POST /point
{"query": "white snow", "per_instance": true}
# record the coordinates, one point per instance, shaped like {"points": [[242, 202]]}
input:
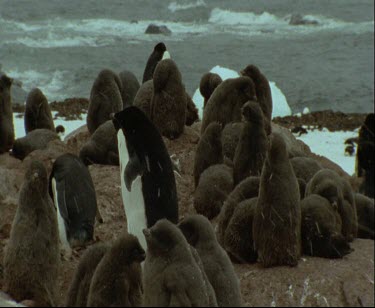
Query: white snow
{"points": [[331, 145], [19, 124], [280, 104]]}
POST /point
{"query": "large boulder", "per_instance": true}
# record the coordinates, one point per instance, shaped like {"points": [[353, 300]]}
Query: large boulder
{"points": [[158, 29]]}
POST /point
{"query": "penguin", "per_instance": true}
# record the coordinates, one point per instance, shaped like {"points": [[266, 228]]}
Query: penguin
{"points": [[238, 238], [38, 139], [215, 184], [365, 155], [129, 89], [31, 260], [209, 150], [159, 53], [37, 112], [192, 115], [73, 193], [117, 281], [277, 219], [208, 84], [212, 301], [263, 93], [321, 230], [148, 185], [230, 137], [199, 233], [143, 100], [105, 99], [305, 167], [247, 189], [365, 211], [102, 147], [337, 190], [224, 105], [79, 288], [6, 114], [171, 276], [252, 146], [168, 105]]}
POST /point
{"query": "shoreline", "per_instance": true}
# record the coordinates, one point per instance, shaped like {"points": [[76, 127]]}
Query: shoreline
{"points": [[73, 108]]}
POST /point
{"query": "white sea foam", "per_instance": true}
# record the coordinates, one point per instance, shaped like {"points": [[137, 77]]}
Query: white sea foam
{"points": [[280, 104], [239, 22], [54, 41], [174, 6], [226, 17], [51, 84]]}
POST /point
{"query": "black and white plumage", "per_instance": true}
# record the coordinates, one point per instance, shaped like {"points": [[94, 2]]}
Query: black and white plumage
{"points": [[73, 192], [148, 184]]}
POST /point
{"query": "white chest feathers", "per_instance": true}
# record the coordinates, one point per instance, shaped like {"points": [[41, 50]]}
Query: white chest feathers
{"points": [[133, 200]]}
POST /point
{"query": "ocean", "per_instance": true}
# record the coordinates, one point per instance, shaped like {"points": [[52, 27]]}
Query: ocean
{"points": [[61, 45]]}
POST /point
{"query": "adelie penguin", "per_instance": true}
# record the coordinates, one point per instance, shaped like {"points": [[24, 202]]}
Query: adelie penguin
{"points": [[159, 53], [73, 192], [148, 184]]}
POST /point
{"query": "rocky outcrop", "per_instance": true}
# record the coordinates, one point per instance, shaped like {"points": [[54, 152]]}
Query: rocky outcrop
{"points": [[158, 29]]}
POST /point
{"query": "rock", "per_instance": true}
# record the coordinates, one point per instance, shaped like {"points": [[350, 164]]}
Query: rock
{"points": [[333, 121], [77, 138], [299, 20], [155, 29], [347, 282]]}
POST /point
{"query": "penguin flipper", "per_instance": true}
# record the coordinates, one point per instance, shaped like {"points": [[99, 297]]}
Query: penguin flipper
{"points": [[133, 169]]}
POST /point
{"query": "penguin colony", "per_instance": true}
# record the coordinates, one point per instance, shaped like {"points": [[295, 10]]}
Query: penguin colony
{"points": [[270, 207]]}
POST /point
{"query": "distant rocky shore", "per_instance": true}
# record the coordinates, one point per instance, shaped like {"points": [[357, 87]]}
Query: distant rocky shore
{"points": [[72, 109]]}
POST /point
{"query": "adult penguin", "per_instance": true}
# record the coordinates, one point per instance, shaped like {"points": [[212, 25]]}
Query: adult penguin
{"points": [[73, 192], [148, 184], [160, 52]]}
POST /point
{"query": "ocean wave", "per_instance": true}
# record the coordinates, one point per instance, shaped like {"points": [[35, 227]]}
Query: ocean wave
{"points": [[55, 41], [225, 17], [268, 21], [174, 6], [51, 83]]}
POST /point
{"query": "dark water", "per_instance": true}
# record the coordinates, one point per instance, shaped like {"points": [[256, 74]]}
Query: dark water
{"points": [[60, 46]]}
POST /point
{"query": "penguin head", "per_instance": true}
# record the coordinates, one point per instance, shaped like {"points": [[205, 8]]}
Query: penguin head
{"points": [[329, 190], [163, 237], [36, 175], [252, 112], [277, 148], [247, 88], [160, 48], [251, 71], [197, 229], [5, 82], [128, 250]]}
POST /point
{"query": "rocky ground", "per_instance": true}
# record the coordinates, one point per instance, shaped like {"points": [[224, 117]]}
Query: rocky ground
{"points": [[314, 282]]}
